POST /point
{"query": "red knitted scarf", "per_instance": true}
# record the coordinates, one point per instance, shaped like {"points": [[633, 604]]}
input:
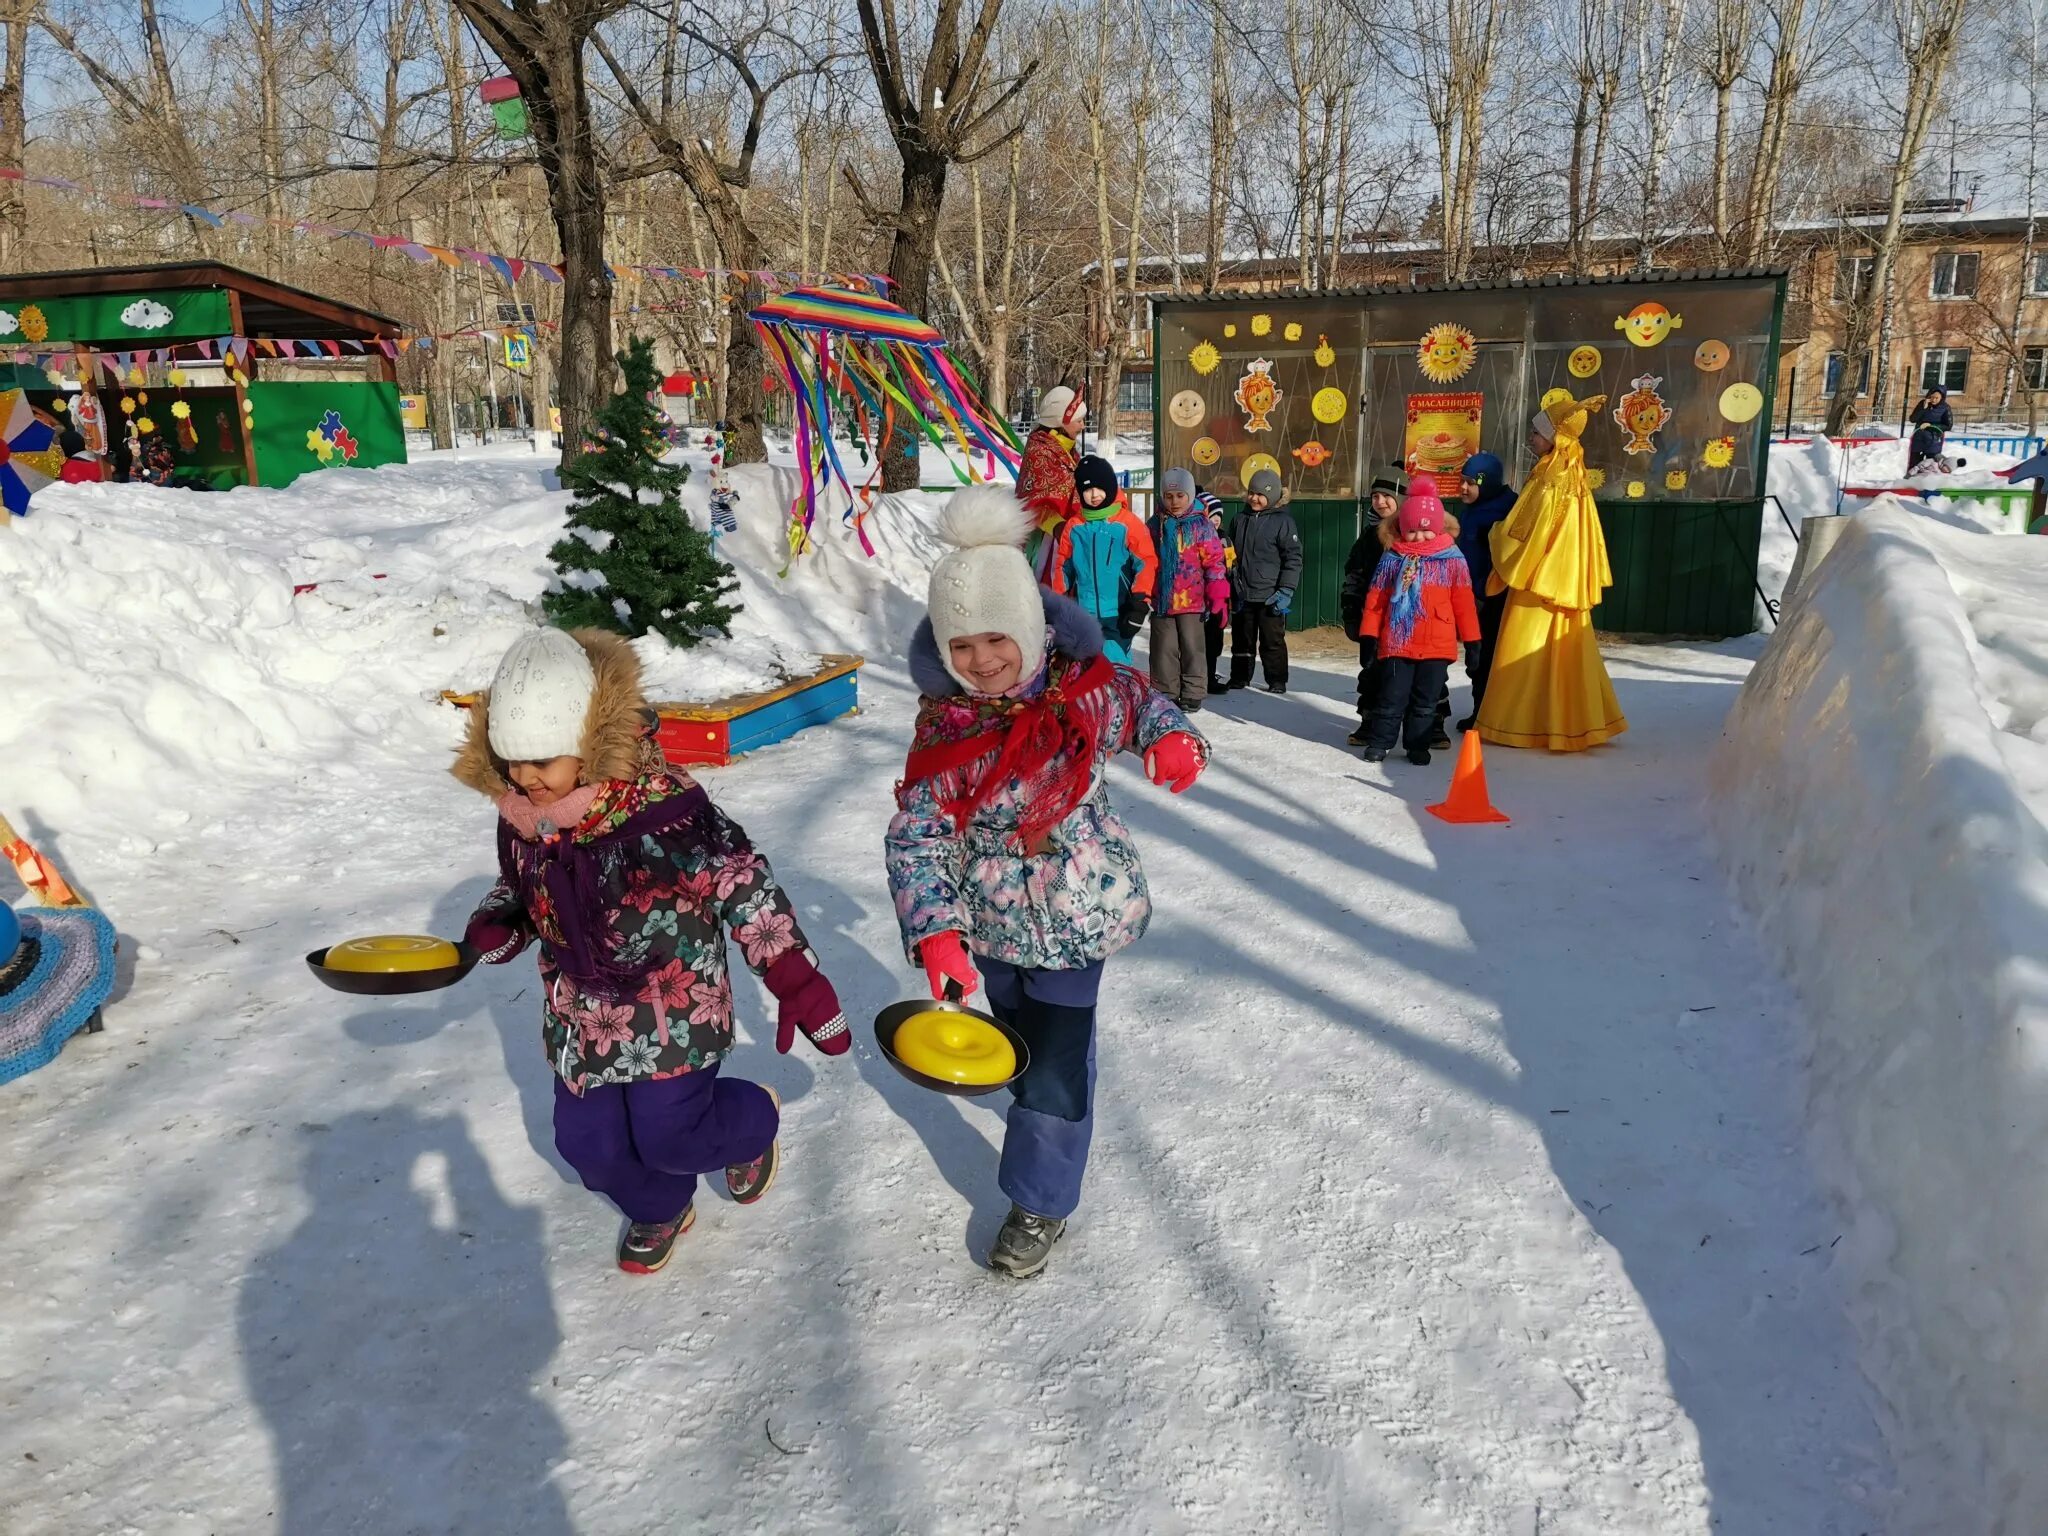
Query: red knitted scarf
{"points": [[972, 747]]}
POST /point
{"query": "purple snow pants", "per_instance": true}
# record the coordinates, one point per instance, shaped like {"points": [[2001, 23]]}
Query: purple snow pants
{"points": [[643, 1144], [1045, 1148]]}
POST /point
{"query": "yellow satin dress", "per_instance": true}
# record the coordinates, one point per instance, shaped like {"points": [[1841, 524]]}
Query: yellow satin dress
{"points": [[1548, 687]]}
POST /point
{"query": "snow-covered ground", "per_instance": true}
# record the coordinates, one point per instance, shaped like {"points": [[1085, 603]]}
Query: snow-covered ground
{"points": [[1882, 796], [1448, 1179]]}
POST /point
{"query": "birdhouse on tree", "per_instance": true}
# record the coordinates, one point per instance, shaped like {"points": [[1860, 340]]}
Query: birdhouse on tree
{"points": [[508, 107]]}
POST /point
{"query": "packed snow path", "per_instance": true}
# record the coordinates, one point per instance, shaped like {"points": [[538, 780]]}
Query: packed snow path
{"points": [[1448, 1180]]}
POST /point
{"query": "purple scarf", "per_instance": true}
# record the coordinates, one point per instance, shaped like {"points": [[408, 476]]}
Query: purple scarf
{"points": [[572, 870]]}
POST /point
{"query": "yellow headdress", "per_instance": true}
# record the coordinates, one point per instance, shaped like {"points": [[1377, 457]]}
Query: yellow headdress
{"points": [[1568, 418]]}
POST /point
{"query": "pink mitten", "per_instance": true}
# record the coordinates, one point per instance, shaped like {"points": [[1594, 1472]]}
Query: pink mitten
{"points": [[946, 959], [808, 1004], [1176, 761]]}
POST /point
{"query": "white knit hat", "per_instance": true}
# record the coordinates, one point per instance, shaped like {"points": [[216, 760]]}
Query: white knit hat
{"points": [[539, 698], [985, 587], [1056, 404]]}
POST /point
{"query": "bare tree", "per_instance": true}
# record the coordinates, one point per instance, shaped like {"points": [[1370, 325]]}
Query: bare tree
{"points": [[1658, 43], [1222, 145], [1724, 60], [14, 32], [719, 182], [1451, 67], [540, 43], [1596, 64], [941, 112], [1926, 33], [988, 310]]}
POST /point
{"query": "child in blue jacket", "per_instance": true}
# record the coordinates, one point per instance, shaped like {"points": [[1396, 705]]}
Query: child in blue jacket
{"points": [[1104, 559], [1485, 501]]}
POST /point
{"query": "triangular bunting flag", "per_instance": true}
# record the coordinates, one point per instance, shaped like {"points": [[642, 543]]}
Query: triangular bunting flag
{"points": [[333, 348]]}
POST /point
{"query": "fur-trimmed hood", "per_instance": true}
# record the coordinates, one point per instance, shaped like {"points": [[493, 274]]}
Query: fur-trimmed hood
{"points": [[615, 742], [1072, 630]]}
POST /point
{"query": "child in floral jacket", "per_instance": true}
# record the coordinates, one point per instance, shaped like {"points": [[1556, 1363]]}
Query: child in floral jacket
{"points": [[1007, 864], [1194, 587], [629, 875]]}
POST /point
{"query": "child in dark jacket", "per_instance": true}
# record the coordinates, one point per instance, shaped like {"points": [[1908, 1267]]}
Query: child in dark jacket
{"points": [[1009, 868], [1381, 507], [1485, 501], [629, 876], [1194, 586], [1268, 570], [1420, 609]]}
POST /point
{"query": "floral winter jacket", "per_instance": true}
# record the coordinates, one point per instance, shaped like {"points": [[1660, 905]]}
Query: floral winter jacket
{"points": [[1193, 570], [664, 902], [1078, 898]]}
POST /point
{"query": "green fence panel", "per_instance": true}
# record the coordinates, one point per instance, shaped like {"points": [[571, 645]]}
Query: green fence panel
{"points": [[1328, 530], [1681, 568], [326, 425]]}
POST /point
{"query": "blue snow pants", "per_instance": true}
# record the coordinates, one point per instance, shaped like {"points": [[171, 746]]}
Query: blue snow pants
{"points": [[1045, 1149]]}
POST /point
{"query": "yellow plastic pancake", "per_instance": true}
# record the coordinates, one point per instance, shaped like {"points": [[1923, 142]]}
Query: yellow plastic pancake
{"points": [[388, 952], [1256, 462], [954, 1048], [1328, 405]]}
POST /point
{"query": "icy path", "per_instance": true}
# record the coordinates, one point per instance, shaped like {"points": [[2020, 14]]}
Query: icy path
{"points": [[1448, 1181]]}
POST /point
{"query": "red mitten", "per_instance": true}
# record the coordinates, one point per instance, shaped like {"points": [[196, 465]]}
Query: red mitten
{"points": [[946, 959], [1176, 761], [496, 936], [808, 1004]]}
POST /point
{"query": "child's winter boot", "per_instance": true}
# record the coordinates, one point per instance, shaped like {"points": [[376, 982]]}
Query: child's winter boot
{"points": [[1025, 1243], [748, 1182], [647, 1244]]}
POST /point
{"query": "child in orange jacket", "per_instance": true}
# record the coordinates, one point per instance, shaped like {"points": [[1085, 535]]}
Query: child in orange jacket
{"points": [[1420, 609]]}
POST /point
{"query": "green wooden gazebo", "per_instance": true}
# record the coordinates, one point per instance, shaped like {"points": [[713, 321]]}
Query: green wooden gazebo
{"points": [[1329, 386], [315, 381]]}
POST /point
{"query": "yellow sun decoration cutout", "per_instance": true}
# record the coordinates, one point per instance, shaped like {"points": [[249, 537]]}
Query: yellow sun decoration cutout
{"points": [[1446, 352]]}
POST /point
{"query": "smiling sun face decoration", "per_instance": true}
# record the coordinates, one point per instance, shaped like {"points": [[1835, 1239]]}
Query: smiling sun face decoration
{"points": [[1648, 324], [1446, 352]]}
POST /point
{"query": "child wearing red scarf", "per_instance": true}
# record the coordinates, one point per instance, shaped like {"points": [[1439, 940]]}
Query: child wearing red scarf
{"points": [[1007, 864]]}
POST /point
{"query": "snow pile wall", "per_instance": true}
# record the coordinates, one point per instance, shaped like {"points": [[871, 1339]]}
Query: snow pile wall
{"points": [[1871, 798]]}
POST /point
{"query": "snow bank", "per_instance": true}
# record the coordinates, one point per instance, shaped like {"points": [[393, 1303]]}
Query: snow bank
{"points": [[1880, 794], [154, 653]]}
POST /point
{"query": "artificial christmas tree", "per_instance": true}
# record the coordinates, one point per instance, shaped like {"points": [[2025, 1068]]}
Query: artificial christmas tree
{"points": [[632, 560]]}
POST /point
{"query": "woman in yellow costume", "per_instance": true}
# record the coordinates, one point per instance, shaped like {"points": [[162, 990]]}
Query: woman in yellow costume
{"points": [[1548, 687]]}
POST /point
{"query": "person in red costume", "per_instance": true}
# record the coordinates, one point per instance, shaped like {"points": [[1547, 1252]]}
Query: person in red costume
{"points": [[1010, 871], [1045, 479]]}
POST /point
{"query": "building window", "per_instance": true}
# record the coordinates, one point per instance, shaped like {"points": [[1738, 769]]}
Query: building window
{"points": [[2036, 370], [1945, 368], [1852, 276], [2037, 280], [1955, 275], [1134, 392], [1836, 363]]}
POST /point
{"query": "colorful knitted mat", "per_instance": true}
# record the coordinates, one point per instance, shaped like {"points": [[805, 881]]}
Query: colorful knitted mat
{"points": [[70, 976]]}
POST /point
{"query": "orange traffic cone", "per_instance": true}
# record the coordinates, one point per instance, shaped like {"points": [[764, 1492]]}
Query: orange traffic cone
{"points": [[1467, 803]]}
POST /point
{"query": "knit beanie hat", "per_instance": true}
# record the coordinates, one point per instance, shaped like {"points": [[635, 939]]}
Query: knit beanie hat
{"points": [[1392, 481], [1267, 484], [539, 698], [985, 586], [1059, 407], [1421, 510], [1095, 472], [1177, 480]]}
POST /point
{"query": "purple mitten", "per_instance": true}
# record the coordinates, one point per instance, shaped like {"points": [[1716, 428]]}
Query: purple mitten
{"points": [[808, 1004], [495, 937]]}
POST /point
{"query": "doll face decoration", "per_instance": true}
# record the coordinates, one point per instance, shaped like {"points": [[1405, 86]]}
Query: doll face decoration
{"points": [[1648, 324], [1710, 356], [1642, 414], [1584, 362], [1312, 454], [1257, 395]]}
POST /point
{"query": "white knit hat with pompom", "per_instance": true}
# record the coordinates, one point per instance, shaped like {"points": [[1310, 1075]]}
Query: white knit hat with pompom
{"points": [[539, 698], [985, 587]]}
